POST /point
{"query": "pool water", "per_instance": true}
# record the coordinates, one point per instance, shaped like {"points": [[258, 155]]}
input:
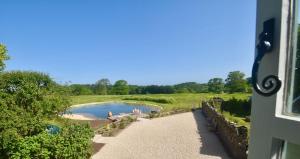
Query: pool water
{"points": [[101, 110]]}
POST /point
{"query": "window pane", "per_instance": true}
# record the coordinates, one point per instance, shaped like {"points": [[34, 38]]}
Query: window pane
{"points": [[291, 151], [294, 81]]}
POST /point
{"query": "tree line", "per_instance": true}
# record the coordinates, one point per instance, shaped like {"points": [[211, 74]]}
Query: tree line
{"points": [[236, 81]]}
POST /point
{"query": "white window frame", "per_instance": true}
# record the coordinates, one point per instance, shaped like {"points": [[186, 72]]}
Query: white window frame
{"points": [[270, 127]]}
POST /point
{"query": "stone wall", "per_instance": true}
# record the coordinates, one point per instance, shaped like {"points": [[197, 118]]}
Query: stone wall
{"points": [[233, 137]]}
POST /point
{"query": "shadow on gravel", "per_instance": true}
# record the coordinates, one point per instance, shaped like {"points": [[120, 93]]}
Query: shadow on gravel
{"points": [[97, 147], [211, 145]]}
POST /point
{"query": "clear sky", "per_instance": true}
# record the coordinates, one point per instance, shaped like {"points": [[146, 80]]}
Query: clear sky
{"points": [[141, 41]]}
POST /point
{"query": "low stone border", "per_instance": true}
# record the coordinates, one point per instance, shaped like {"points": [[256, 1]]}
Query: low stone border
{"points": [[112, 129], [233, 137], [154, 114]]}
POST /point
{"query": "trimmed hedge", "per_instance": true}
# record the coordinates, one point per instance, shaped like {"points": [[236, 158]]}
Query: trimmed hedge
{"points": [[237, 107]]}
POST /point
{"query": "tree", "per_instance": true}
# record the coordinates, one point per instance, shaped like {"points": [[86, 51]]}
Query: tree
{"points": [[249, 85], [102, 86], [236, 82], [120, 87], [216, 85], [3, 56], [78, 89], [191, 87], [154, 89], [182, 90], [134, 89]]}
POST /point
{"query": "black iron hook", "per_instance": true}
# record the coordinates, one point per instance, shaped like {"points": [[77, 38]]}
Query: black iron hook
{"points": [[270, 84]]}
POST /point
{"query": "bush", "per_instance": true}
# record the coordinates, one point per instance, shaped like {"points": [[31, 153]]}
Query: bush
{"points": [[131, 119], [122, 125], [33, 91], [27, 100], [113, 125], [150, 99], [240, 108], [78, 89], [72, 142]]}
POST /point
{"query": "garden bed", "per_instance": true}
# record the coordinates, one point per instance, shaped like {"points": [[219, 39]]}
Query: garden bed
{"points": [[114, 128]]}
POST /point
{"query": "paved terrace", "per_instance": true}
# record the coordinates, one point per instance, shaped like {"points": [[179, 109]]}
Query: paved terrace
{"points": [[181, 136]]}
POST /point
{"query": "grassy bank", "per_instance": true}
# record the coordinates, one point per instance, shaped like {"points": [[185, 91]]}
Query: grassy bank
{"points": [[166, 101]]}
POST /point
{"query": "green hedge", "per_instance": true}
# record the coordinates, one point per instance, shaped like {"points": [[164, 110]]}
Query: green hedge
{"points": [[237, 107], [150, 99]]}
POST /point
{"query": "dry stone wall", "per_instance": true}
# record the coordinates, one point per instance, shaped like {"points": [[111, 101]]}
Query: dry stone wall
{"points": [[233, 137]]}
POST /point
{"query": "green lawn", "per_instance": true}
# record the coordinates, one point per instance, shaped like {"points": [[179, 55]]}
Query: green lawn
{"points": [[177, 101], [167, 101]]}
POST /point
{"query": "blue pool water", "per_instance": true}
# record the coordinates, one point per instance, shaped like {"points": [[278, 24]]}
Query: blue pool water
{"points": [[101, 110]]}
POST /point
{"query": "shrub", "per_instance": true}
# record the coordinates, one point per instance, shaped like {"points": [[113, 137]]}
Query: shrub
{"points": [[150, 99], [72, 142], [113, 125], [131, 119], [154, 114], [27, 100], [33, 91], [237, 107], [122, 125]]}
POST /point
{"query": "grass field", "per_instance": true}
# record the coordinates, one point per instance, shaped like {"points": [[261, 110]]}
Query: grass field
{"points": [[166, 101]]}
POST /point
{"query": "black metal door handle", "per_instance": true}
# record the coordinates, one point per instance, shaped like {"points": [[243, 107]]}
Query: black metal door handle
{"points": [[270, 84]]}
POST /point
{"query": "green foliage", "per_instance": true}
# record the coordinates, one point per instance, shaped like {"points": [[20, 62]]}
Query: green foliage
{"points": [[113, 128], [72, 142], [236, 82], [131, 119], [135, 89], [236, 119], [181, 101], [237, 110], [150, 99], [216, 85], [122, 124], [120, 88], [102, 87], [191, 87], [154, 89], [113, 125], [78, 89], [32, 91], [237, 107], [27, 100], [183, 90], [3, 56]]}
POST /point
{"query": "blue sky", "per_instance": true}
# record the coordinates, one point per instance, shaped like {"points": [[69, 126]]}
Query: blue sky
{"points": [[141, 41]]}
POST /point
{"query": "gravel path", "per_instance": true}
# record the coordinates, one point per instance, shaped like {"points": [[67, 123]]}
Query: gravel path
{"points": [[174, 137]]}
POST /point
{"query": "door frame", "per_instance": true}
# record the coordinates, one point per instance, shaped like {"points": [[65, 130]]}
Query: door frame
{"points": [[270, 126]]}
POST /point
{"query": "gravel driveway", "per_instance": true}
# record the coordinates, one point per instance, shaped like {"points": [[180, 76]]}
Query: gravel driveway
{"points": [[174, 137]]}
